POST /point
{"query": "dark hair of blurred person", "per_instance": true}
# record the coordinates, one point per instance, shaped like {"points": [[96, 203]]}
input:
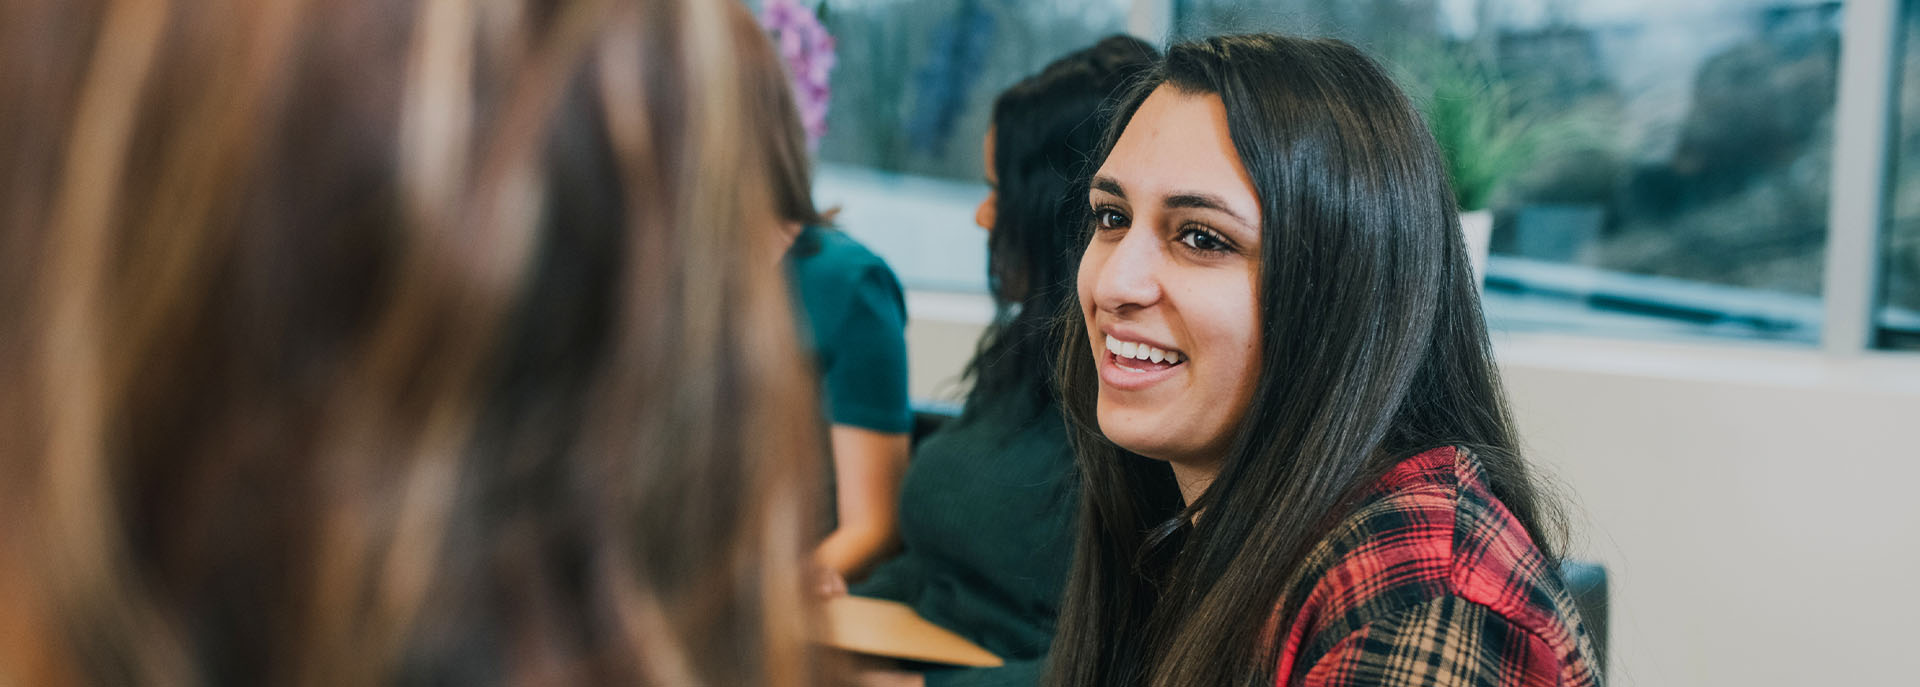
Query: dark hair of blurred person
{"points": [[996, 573], [385, 342], [1044, 129], [853, 317]]}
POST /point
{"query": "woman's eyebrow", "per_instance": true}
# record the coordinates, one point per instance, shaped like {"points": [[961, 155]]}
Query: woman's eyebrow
{"points": [[1192, 200], [1202, 201]]}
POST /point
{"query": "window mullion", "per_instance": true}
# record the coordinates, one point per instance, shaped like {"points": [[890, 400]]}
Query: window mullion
{"points": [[1863, 123]]}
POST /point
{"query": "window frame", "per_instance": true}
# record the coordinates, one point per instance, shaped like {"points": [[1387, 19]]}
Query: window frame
{"points": [[1859, 202]]}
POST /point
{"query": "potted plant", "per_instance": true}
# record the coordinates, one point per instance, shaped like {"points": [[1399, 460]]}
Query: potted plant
{"points": [[1487, 133]]}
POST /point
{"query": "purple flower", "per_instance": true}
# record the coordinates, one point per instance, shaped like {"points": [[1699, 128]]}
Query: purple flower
{"points": [[807, 49]]}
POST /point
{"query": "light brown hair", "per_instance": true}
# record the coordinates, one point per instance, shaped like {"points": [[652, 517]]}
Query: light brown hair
{"points": [[774, 117], [391, 341]]}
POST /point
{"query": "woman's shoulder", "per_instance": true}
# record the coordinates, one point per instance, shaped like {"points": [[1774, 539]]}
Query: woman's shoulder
{"points": [[832, 253], [1431, 532], [1434, 521], [1001, 438], [835, 275], [1394, 550]]}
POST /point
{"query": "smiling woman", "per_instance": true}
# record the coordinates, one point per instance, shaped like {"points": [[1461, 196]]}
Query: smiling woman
{"points": [[1289, 418]]}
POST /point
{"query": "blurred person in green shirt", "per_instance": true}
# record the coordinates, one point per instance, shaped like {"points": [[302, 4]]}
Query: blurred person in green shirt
{"points": [[987, 508], [853, 319]]}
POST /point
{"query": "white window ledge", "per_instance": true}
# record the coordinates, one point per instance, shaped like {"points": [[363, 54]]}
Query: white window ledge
{"points": [[1719, 360], [1724, 361]]}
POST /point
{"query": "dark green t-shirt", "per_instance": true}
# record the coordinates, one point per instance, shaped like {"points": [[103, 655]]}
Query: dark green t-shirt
{"points": [[986, 514], [854, 316]]}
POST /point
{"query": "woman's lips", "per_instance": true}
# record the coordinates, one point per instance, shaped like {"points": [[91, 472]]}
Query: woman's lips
{"points": [[1123, 370]]}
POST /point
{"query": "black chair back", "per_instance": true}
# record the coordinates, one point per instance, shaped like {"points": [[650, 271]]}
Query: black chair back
{"points": [[1587, 582], [929, 416]]}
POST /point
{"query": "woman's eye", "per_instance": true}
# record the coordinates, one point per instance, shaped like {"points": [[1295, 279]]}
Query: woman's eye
{"points": [[1108, 218], [1204, 241]]}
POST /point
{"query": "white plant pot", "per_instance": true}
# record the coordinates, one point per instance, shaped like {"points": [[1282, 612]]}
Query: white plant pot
{"points": [[1477, 228]]}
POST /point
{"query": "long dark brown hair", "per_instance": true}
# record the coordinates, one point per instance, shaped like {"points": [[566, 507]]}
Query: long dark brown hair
{"points": [[1045, 130], [1373, 350], [391, 342]]}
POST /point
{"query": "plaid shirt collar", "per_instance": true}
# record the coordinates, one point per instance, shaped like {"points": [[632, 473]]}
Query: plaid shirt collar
{"points": [[1433, 581]]}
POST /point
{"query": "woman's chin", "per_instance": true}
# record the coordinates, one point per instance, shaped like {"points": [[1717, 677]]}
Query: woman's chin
{"points": [[1136, 432]]}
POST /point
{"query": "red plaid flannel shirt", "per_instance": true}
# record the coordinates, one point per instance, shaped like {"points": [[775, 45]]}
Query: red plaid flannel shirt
{"points": [[1433, 582]]}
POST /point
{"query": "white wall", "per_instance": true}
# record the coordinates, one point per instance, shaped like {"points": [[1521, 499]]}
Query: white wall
{"points": [[1756, 507]]}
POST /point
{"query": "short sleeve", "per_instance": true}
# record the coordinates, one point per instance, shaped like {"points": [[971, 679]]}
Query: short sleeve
{"points": [[866, 377], [1446, 641]]}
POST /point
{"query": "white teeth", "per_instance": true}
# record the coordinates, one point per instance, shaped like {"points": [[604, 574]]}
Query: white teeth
{"points": [[1140, 351]]}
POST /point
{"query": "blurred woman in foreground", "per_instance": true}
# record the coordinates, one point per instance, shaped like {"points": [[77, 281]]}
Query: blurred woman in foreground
{"points": [[392, 342]]}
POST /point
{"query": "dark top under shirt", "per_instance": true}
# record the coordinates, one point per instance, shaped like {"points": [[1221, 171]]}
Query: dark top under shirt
{"points": [[986, 515]]}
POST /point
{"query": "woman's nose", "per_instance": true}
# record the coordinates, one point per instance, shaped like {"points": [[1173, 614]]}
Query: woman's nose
{"points": [[1129, 272]]}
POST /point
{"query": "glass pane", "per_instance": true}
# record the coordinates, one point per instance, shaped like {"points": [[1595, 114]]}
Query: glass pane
{"points": [[912, 96], [1898, 318], [1654, 167]]}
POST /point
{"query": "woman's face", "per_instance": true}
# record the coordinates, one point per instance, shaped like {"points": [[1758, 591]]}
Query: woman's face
{"points": [[1168, 282], [984, 215]]}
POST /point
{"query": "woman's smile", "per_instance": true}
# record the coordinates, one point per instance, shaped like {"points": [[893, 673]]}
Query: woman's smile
{"points": [[1136, 365]]}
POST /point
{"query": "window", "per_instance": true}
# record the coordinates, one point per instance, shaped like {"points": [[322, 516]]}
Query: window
{"points": [[1675, 164], [1662, 165], [1898, 319], [912, 98]]}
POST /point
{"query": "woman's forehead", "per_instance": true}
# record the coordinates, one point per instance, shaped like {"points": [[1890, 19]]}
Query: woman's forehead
{"points": [[1178, 143]]}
